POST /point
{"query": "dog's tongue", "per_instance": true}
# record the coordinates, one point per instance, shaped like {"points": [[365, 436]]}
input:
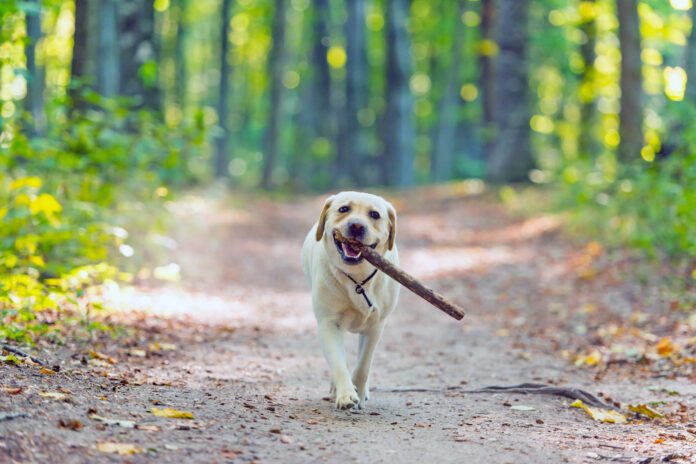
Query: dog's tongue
{"points": [[349, 252]]}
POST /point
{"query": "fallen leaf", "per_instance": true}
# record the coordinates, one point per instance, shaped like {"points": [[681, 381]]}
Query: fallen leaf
{"points": [[522, 407], [11, 359], [591, 359], [602, 415], [148, 428], [117, 422], [124, 449], [72, 424], [665, 347], [97, 355], [47, 371], [157, 346], [53, 395], [138, 353], [12, 390], [645, 410], [171, 413]]}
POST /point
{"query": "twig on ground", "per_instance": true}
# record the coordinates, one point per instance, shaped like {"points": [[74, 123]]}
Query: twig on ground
{"points": [[11, 415], [21, 353]]}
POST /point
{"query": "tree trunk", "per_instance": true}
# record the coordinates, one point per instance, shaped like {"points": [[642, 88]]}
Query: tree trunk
{"points": [[691, 60], [356, 87], [485, 63], [108, 75], [138, 52], [275, 111], [399, 155], [79, 69], [586, 142], [221, 155], [511, 157], [631, 114], [180, 54], [36, 87], [442, 163]]}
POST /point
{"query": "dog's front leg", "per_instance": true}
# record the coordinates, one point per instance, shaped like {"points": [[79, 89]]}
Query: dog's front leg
{"points": [[366, 351], [331, 338]]}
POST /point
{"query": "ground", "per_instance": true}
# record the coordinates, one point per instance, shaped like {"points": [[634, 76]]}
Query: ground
{"points": [[234, 343]]}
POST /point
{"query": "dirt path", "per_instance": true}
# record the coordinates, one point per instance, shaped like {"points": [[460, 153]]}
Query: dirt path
{"points": [[247, 364]]}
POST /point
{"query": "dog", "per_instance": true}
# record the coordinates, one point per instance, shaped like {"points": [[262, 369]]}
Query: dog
{"points": [[348, 293]]}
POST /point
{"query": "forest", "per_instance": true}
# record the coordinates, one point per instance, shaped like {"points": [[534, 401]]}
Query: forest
{"points": [[123, 121]]}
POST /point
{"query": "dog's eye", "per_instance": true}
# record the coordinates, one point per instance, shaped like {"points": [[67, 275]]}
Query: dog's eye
{"points": [[374, 215], [343, 209]]}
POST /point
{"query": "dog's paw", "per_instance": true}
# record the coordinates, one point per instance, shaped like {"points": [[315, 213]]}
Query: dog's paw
{"points": [[347, 398]]}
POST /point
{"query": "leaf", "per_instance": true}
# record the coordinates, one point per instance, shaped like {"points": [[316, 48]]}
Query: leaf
{"points": [[665, 347], [601, 415], [522, 407], [47, 371], [101, 356], [138, 353], [12, 390], [157, 346], [72, 424], [117, 422], [124, 449], [591, 359], [53, 395], [171, 413], [11, 359], [645, 410]]}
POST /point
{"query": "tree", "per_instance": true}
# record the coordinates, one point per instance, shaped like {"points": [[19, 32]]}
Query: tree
{"points": [[399, 156], [79, 67], [586, 142], [631, 113], [36, 85], [356, 86], [276, 63], [221, 155], [691, 60], [511, 156], [446, 134], [108, 72], [180, 53], [138, 52], [485, 64]]}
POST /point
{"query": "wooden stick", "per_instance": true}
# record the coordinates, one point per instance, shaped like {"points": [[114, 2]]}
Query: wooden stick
{"points": [[407, 280], [21, 353]]}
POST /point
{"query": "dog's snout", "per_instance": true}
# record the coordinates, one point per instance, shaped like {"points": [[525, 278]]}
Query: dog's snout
{"points": [[356, 229]]}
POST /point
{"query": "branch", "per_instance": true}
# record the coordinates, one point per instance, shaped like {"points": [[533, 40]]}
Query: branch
{"points": [[21, 353], [404, 278]]}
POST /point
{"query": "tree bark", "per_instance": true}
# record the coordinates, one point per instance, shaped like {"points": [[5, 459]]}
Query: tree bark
{"points": [[511, 157], [586, 142], [485, 63], [138, 52], [631, 113], [36, 84], [180, 55], [442, 163], [79, 68], [221, 154], [276, 63], [691, 60], [108, 72], [399, 154], [356, 87]]}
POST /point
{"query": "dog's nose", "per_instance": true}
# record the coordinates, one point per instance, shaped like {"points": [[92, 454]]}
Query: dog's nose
{"points": [[356, 229]]}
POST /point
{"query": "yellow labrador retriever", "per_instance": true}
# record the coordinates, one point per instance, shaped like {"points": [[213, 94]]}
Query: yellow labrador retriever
{"points": [[348, 293]]}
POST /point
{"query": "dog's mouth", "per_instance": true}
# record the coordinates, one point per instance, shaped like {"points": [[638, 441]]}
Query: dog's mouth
{"points": [[348, 254]]}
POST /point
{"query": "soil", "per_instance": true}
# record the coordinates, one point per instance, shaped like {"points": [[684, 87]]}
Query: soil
{"points": [[234, 343]]}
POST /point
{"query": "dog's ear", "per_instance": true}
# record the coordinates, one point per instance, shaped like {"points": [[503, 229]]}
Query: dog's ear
{"points": [[392, 225], [322, 218]]}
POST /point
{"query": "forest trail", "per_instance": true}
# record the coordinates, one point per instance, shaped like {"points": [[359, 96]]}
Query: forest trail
{"points": [[245, 361]]}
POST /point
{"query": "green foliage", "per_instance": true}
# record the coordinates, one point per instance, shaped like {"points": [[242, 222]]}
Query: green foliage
{"points": [[67, 208]]}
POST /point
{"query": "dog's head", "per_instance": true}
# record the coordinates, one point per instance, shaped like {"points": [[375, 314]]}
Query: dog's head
{"points": [[367, 218]]}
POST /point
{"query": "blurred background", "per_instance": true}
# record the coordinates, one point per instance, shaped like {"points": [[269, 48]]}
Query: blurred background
{"points": [[108, 107]]}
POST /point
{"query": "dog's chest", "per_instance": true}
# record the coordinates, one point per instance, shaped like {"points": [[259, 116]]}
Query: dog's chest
{"points": [[353, 319]]}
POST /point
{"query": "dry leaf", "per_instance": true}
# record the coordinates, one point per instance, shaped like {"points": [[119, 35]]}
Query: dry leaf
{"points": [[72, 424], [171, 413], [665, 347], [645, 410], [120, 423], [53, 395], [602, 415], [12, 390], [47, 371], [138, 353], [157, 346], [591, 359], [148, 428], [124, 449], [97, 355]]}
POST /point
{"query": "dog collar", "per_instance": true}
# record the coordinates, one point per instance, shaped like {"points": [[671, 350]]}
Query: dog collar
{"points": [[359, 286]]}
